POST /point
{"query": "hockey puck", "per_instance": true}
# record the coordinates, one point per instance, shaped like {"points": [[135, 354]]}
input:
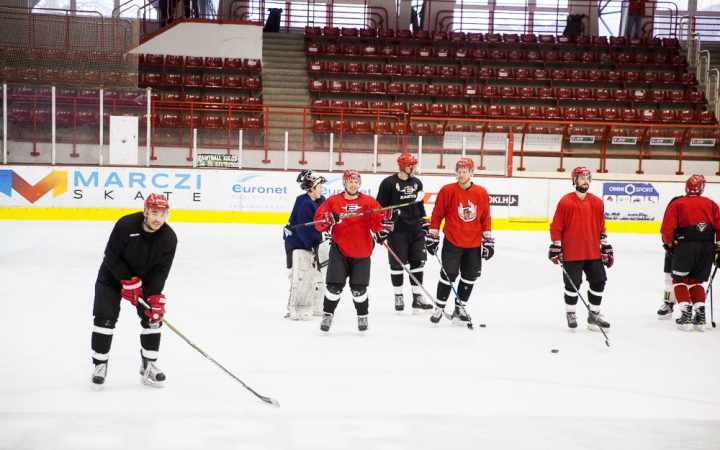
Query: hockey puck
{"points": [[554, 350], [482, 325]]}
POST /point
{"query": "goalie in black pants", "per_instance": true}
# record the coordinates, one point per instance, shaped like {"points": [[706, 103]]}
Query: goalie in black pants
{"points": [[408, 237]]}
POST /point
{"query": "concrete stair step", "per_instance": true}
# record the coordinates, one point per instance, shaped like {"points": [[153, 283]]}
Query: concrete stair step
{"points": [[284, 53], [275, 91]]}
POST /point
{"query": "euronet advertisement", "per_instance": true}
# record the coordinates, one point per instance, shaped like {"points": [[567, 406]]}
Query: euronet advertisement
{"points": [[247, 196]]}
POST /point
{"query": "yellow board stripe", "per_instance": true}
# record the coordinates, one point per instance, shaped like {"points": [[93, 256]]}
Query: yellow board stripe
{"points": [[278, 218]]}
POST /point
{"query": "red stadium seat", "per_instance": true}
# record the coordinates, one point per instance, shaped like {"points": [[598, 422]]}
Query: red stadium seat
{"points": [[388, 51], [213, 81], [354, 68], [357, 87], [467, 72], [349, 32], [621, 95], [386, 33], [437, 109], [311, 31], [610, 114], [475, 37], [451, 90], [457, 111], [364, 127], [677, 96], [571, 113], [668, 116], [697, 97], [314, 49], [707, 118], [316, 67], [448, 71], [496, 112], [489, 91], [577, 75], [595, 75], [316, 105], [687, 116], [583, 93], [433, 89], [508, 92], [533, 56], [591, 114], [658, 96], [342, 127], [613, 76], [523, 74], [428, 71], [194, 61], [486, 73], [649, 115], [564, 93], [540, 74], [514, 112], [418, 109], [233, 82], [528, 92], [503, 73], [399, 106], [373, 69], [668, 77], [640, 95], [471, 91], [359, 106], [333, 50], [318, 86], [338, 86], [391, 69], [383, 128], [476, 111], [213, 63], [193, 80], [558, 74], [414, 89], [392, 88], [213, 122], [533, 112], [602, 94], [479, 54], [461, 54], [629, 115], [546, 92], [410, 70]]}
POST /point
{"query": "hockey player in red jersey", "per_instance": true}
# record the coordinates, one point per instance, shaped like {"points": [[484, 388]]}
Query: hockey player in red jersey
{"points": [[352, 245], [691, 231], [579, 243], [465, 206], [138, 258], [666, 310]]}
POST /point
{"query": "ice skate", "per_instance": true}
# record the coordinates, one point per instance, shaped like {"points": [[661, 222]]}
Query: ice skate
{"points": [[699, 319], [326, 322], [596, 321], [151, 374], [436, 315], [399, 302], [362, 324], [571, 320], [99, 374], [666, 310], [685, 321], [419, 306], [460, 317]]}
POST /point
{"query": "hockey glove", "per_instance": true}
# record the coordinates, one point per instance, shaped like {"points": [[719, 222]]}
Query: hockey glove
{"points": [[327, 220], [669, 249], [606, 252], [555, 252], [131, 290], [717, 254], [388, 226], [425, 225], [432, 241], [488, 245], [157, 308]]}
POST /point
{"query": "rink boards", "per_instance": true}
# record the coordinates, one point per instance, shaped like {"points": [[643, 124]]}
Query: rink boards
{"points": [[267, 197]]}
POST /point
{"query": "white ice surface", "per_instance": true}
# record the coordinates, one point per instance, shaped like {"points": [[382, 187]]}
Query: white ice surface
{"points": [[404, 385]]}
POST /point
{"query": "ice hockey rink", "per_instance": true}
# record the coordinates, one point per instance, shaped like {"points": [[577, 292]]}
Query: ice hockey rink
{"points": [[404, 385]]}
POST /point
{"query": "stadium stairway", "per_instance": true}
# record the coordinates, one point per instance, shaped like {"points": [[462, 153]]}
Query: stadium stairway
{"points": [[285, 82]]}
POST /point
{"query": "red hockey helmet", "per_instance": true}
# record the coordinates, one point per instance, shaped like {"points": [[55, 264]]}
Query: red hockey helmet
{"points": [[406, 160], [581, 171], [351, 175], [158, 202], [465, 163], [695, 185]]}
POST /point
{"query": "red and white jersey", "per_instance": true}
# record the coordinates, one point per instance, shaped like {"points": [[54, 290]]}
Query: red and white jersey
{"points": [[578, 224], [466, 214], [352, 235], [688, 211]]}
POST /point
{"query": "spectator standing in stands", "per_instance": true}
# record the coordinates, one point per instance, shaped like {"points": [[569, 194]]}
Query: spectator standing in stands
{"points": [[635, 14]]}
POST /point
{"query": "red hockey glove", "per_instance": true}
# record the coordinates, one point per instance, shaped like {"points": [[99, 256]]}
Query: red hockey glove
{"points": [[555, 252], [432, 241], [425, 225], [328, 219], [606, 252], [488, 245], [131, 290], [388, 226], [157, 308]]}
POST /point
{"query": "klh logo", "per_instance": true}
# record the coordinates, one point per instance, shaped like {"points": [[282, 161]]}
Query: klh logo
{"points": [[57, 181]]}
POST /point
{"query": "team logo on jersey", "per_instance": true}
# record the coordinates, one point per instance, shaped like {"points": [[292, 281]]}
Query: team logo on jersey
{"points": [[467, 213], [407, 190], [352, 208], [701, 226]]}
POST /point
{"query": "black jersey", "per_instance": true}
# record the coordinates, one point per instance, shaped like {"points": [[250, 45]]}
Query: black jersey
{"points": [[133, 252], [394, 191]]}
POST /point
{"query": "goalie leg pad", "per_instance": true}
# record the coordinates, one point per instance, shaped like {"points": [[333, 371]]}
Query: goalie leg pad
{"points": [[304, 283]]}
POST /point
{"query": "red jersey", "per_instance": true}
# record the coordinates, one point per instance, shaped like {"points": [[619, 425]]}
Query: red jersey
{"points": [[688, 211], [352, 235], [578, 224], [466, 213]]}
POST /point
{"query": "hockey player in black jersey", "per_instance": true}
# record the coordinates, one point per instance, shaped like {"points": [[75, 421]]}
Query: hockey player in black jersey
{"points": [[408, 238], [138, 258]]}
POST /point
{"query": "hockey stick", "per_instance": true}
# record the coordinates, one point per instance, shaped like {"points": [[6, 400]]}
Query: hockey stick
{"points": [[457, 297], [432, 299], [709, 290], [265, 399], [349, 215], [607, 340]]}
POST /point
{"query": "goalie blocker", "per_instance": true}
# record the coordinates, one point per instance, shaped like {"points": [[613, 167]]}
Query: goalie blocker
{"points": [[308, 281]]}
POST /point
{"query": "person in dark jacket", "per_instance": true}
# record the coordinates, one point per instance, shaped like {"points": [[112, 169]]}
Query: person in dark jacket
{"points": [[303, 238], [137, 262]]}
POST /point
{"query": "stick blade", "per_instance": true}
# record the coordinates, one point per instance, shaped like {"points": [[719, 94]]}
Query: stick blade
{"points": [[270, 400]]}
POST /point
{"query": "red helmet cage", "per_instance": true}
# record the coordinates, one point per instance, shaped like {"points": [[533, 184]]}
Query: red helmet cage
{"points": [[351, 175], [406, 160], [465, 163], [581, 171], [157, 201], [695, 185]]}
